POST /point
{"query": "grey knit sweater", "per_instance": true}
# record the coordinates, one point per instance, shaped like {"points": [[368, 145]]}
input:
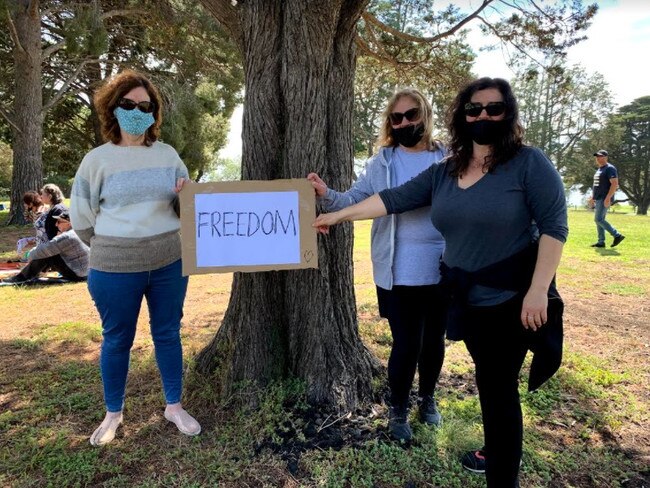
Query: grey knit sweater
{"points": [[122, 206]]}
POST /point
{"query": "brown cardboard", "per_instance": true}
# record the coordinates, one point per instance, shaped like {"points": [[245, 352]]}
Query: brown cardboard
{"points": [[307, 211]]}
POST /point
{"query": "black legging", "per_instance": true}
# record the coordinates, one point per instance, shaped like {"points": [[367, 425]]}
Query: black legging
{"points": [[56, 262], [497, 342], [415, 315]]}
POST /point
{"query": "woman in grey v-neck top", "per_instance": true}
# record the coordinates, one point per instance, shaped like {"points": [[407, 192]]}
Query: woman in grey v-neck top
{"points": [[491, 198]]}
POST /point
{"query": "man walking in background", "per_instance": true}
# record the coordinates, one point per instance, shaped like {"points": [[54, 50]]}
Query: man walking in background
{"points": [[605, 185]]}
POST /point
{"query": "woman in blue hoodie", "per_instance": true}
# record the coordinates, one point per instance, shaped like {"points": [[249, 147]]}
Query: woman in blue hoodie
{"points": [[406, 251]]}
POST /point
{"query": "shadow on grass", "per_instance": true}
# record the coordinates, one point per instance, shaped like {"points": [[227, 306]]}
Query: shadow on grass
{"points": [[571, 438], [51, 401]]}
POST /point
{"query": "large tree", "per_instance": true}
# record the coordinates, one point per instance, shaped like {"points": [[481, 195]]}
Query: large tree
{"points": [[632, 155], [299, 62], [560, 106]]}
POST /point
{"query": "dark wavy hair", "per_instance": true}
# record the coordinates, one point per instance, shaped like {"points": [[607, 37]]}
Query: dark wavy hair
{"points": [[107, 96], [461, 146], [32, 199]]}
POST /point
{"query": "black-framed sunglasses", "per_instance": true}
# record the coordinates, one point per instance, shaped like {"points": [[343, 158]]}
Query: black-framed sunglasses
{"points": [[492, 109], [146, 107], [411, 115]]}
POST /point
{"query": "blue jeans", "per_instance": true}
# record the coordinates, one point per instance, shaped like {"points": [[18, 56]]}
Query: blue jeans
{"points": [[601, 224], [118, 297]]}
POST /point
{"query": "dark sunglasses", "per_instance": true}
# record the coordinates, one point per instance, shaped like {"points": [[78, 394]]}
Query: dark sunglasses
{"points": [[126, 104], [492, 109], [397, 117]]}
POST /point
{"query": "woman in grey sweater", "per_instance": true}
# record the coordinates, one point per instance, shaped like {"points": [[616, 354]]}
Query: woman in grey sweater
{"points": [[406, 252], [501, 208], [122, 206]]}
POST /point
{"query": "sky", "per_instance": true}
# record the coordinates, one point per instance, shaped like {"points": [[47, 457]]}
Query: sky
{"points": [[617, 46]]}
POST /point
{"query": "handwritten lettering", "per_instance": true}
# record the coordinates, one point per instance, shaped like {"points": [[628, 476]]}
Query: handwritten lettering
{"points": [[245, 224]]}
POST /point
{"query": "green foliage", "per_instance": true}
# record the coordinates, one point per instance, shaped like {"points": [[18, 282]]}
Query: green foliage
{"points": [[627, 138], [183, 50], [226, 169], [194, 124], [6, 161], [633, 152], [436, 70], [560, 106]]}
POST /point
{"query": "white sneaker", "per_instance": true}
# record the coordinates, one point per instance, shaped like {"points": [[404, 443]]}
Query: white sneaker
{"points": [[105, 433], [184, 421]]}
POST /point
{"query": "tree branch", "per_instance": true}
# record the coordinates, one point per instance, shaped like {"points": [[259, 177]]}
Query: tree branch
{"points": [[519, 48], [48, 51], [59, 94], [33, 8], [226, 14], [9, 121], [371, 19], [121, 13], [14, 33], [365, 48]]}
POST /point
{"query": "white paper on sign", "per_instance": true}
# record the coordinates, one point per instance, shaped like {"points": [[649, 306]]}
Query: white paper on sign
{"points": [[251, 229]]}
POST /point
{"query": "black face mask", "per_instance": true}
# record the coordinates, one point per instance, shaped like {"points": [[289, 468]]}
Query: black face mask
{"points": [[407, 136], [487, 132]]}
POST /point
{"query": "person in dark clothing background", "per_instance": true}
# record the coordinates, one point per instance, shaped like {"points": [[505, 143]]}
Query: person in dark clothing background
{"points": [[605, 185], [52, 196], [492, 199]]}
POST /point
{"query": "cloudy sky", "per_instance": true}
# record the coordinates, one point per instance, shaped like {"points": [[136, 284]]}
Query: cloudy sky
{"points": [[618, 46]]}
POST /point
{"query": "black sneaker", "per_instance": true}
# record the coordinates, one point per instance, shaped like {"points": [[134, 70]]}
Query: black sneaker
{"points": [[617, 240], [474, 461], [12, 280], [598, 244], [429, 413], [398, 424]]}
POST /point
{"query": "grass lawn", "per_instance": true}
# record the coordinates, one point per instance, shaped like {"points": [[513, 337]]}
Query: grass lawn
{"points": [[588, 427]]}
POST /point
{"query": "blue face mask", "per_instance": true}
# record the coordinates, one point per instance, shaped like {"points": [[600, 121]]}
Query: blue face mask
{"points": [[134, 121]]}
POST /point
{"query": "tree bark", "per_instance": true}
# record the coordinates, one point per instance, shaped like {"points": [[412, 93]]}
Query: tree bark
{"points": [[299, 61], [28, 106]]}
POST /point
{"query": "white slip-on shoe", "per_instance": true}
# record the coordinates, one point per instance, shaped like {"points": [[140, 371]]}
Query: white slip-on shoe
{"points": [[184, 421], [105, 433]]}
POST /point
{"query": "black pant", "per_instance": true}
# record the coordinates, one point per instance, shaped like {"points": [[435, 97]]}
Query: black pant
{"points": [[497, 342], [416, 318], [55, 262]]}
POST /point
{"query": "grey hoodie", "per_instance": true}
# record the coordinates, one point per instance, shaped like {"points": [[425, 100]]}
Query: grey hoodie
{"points": [[379, 175]]}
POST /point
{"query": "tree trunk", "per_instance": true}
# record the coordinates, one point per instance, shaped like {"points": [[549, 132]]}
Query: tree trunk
{"points": [[28, 106], [299, 61], [642, 209]]}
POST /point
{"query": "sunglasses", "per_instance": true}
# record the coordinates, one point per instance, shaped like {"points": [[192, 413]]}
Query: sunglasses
{"points": [[397, 117], [145, 107], [492, 109]]}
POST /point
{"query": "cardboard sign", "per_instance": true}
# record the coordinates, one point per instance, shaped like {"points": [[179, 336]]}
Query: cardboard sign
{"points": [[248, 226]]}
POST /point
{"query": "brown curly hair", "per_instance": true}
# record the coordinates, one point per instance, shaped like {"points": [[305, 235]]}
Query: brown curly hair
{"points": [[107, 96], [32, 199]]}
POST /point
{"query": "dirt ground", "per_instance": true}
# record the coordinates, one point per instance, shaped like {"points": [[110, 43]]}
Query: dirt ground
{"points": [[612, 327]]}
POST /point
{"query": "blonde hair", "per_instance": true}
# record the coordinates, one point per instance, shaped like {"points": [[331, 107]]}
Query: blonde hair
{"points": [[55, 193], [426, 118]]}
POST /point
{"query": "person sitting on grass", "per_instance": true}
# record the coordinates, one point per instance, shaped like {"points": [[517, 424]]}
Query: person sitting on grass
{"points": [[65, 253], [35, 211]]}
